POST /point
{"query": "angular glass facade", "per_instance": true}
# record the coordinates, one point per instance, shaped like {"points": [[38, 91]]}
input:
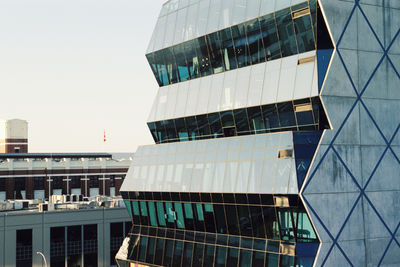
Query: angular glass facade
{"points": [[281, 34], [249, 229], [222, 184], [297, 115]]}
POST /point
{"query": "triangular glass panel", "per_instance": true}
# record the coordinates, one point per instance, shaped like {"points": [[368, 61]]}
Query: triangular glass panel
{"points": [[323, 58], [305, 144], [306, 253], [324, 47]]}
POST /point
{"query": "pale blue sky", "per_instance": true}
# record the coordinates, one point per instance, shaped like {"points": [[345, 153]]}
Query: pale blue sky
{"points": [[72, 68]]}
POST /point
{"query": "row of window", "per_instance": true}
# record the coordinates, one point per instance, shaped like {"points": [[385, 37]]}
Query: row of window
{"points": [[56, 182], [170, 252], [71, 245], [287, 224], [280, 34], [218, 198], [299, 115]]}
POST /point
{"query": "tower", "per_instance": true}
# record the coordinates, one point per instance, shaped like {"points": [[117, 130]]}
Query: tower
{"points": [[13, 136], [267, 116]]}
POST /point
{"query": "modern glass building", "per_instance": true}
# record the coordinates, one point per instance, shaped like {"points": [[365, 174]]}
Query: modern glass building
{"points": [[276, 134]]}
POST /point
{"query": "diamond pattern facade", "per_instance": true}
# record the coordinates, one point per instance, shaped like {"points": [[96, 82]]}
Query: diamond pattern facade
{"points": [[353, 184]]}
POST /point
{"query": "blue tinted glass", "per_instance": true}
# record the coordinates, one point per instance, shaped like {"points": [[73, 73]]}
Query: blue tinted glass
{"points": [[323, 59], [258, 258], [245, 258], [143, 208], [313, 11], [169, 246], [192, 59], [254, 39], [187, 254], [153, 65], [256, 121], [220, 219], [270, 37], [306, 253], [181, 129], [172, 69], [220, 258], [170, 130], [142, 248], [241, 121], [177, 258], [181, 63], [215, 124], [305, 144], [216, 55], [203, 125], [150, 249], [304, 34], [204, 57], [180, 222], [161, 67], [286, 32], [286, 114], [198, 255], [152, 214], [152, 128], [228, 50], [191, 125], [233, 256], [161, 214], [161, 134], [241, 48], [270, 115], [227, 119]]}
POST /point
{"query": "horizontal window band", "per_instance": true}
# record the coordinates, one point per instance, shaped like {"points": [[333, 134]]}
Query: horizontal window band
{"points": [[248, 43], [222, 245], [59, 175], [298, 115]]}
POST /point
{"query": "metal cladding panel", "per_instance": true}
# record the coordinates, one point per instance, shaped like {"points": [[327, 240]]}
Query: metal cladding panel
{"points": [[352, 188], [265, 83], [247, 164], [184, 20]]}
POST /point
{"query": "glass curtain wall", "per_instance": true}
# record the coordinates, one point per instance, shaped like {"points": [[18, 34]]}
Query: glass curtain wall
{"points": [[299, 115], [219, 229], [284, 33]]}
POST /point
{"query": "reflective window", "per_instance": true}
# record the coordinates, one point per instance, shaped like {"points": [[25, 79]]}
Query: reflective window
{"points": [[287, 38], [241, 121], [241, 47], [204, 58], [228, 49], [299, 115], [172, 69], [181, 63], [304, 33], [254, 39], [216, 55], [256, 121], [286, 115], [192, 59], [272, 36]]}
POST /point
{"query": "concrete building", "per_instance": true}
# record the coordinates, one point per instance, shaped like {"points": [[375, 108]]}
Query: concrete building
{"points": [[13, 136], [276, 134], [83, 237], [40, 175]]}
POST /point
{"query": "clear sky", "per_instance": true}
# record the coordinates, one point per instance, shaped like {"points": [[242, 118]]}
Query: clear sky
{"points": [[72, 68]]}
